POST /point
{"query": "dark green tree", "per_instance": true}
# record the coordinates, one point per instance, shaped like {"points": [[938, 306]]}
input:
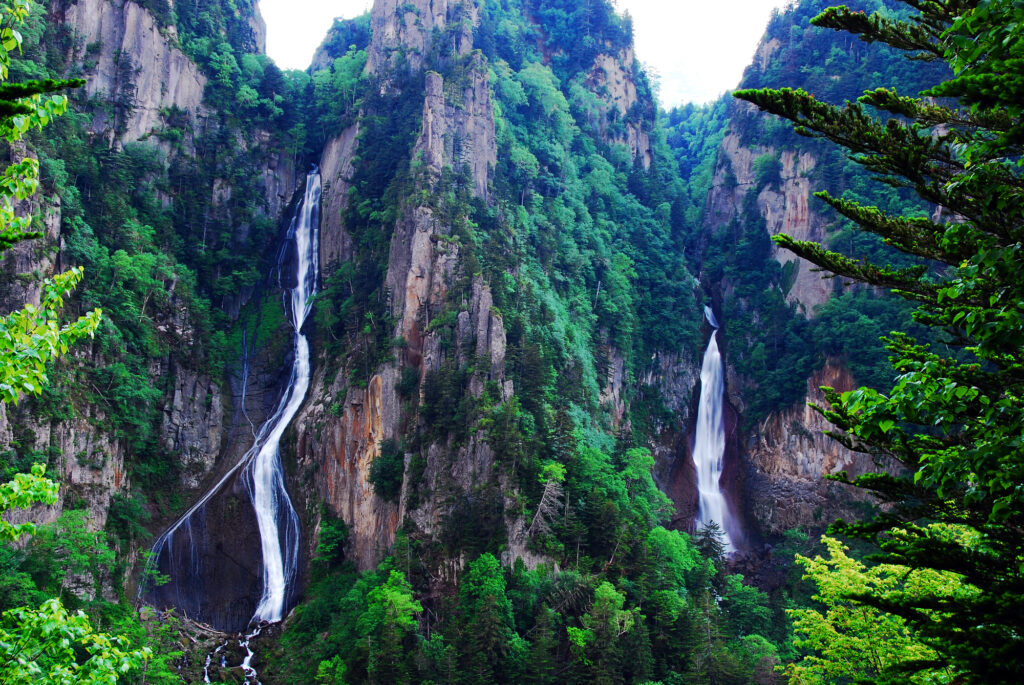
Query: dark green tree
{"points": [[947, 437], [488, 642], [542, 665]]}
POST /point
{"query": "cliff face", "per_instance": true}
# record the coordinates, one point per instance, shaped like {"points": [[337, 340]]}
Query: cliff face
{"points": [[349, 417], [783, 205], [778, 460], [139, 84], [409, 27], [340, 444], [788, 456], [441, 306], [779, 345], [134, 65], [88, 462], [614, 80]]}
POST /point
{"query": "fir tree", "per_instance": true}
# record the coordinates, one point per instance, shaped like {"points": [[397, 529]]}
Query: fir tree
{"points": [[543, 643], [948, 434]]}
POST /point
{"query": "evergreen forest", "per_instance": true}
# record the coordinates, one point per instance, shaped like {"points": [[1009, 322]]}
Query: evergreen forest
{"points": [[458, 358]]}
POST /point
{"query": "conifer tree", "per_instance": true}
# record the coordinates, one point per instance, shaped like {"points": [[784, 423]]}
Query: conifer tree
{"points": [[541, 667], [948, 435]]}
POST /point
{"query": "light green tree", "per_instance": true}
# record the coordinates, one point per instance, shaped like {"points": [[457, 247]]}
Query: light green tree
{"points": [[389, 619], [855, 642], [32, 336], [48, 645]]}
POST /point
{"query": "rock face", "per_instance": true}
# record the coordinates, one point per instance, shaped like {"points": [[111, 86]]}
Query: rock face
{"points": [[88, 462], [788, 456], [460, 131], [676, 380], [136, 76], [409, 27], [784, 206], [613, 78], [341, 430], [135, 65], [783, 460], [344, 424], [336, 170], [192, 424]]}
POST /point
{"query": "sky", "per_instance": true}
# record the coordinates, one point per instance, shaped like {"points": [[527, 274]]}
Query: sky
{"points": [[696, 48]]}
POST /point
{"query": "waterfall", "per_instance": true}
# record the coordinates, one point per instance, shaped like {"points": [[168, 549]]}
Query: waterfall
{"points": [[269, 496], [709, 443], [182, 551]]}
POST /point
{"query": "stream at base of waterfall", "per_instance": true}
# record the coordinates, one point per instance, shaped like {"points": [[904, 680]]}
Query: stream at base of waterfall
{"points": [[260, 470], [709, 440]]}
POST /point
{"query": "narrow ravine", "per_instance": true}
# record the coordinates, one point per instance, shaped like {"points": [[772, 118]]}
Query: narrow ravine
{"points": [[260, 471], [709, 440]]}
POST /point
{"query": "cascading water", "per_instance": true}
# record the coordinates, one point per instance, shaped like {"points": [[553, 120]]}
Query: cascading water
{"points": [[269, 496], [192, 562], [709, 442]]}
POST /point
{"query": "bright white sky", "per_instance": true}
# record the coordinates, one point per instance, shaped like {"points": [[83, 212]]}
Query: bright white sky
{"points": [[698, 48]]}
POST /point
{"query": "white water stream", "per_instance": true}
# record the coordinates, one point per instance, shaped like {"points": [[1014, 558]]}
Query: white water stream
{"points": [[709, 441], [267, 488], [262, 469]]}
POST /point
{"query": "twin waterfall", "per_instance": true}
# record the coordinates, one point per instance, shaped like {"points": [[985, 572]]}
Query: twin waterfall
{"points": [[709, 441], [206, 549]]}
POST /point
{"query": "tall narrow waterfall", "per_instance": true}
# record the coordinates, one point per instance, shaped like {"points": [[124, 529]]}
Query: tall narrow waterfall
{"points": [[199, 568], [709, 442]]}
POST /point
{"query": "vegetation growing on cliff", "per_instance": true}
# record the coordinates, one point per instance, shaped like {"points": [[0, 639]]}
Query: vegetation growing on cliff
{"points": [[774, 343], [48, 644], [584, 242], [947, 433]]}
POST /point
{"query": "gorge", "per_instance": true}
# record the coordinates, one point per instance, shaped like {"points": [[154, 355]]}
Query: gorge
{"points": [[442, 408], [193, 561]]}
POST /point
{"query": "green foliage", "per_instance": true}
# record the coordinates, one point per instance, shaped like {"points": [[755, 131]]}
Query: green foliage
{"points": [[51, 646], [388, 470], [330, 548], [597, 645], [24, 491], [386, 625], [344, 34], [948, 425], [337, 93], [126, 519], [850, 641], [767, 170], [693, 133], [578, 31], [745, 607], [486, 636]]}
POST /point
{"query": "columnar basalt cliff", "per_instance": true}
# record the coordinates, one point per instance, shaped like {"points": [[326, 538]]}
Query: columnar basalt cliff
{"points": [[457, 130]]}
